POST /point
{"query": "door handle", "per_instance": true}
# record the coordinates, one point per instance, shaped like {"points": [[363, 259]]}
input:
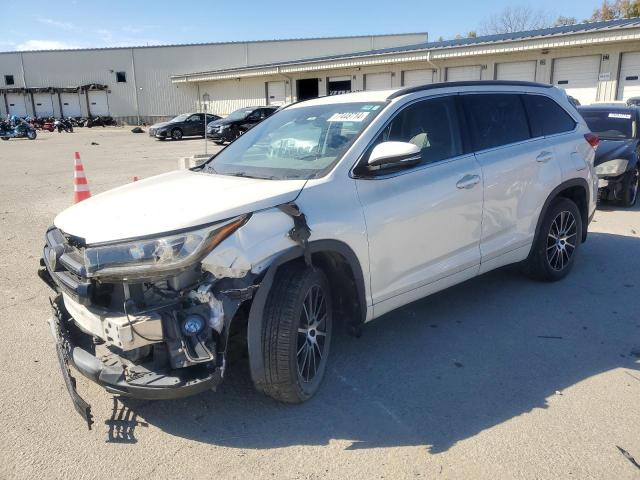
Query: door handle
{"points": [[468, 181], [544, 157]]}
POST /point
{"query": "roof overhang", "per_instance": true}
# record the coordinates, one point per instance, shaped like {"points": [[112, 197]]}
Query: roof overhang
{"points": [[542, 42]]}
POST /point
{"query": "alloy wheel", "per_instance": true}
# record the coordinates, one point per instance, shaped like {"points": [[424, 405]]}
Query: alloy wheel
{"points": [[312, 334], [561, 240]]}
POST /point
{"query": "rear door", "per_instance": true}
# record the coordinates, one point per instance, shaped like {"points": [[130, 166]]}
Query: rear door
{"points": [[194, 124], [423, 223], [519, 172]]}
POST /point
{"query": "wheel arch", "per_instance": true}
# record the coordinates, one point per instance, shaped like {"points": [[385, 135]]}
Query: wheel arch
{"points": [[333, 257], [575, 189]]}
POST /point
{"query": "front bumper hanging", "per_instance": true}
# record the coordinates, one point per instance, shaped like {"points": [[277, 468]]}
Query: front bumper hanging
{"points": [[116, 378]]}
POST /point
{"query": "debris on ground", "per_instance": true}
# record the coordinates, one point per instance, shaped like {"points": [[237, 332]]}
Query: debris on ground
{"points": [[628, 456], [95, 143], [137, 130]]}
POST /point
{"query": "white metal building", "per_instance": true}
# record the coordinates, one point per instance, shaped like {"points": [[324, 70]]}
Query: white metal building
{"points": [[132, 83], [597, 61]]}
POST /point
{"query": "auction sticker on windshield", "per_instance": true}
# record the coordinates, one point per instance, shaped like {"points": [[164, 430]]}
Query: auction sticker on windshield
{"points": [[626, 116], [348, 117]]}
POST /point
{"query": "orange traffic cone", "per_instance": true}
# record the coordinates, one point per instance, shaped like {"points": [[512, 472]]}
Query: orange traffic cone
{"points": [[80, 185]]}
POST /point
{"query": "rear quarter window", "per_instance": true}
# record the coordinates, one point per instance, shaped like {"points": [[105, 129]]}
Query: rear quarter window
{"points": [[546, 116], [496, 119]]}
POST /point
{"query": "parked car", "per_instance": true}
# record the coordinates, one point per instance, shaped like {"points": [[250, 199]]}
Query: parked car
{"points": [[235, 124], [336, 209], [184, 125], [617, 155]]}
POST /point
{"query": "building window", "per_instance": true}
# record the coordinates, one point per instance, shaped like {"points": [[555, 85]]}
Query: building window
{"points": [[8, 80], [121, 77]]}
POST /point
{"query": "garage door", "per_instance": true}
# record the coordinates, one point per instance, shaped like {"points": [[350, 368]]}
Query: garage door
{"points": [[98, 103], [462, 74], [275, 93], [629, 76], [377, 81], [412, 78], [70, 105], [17, 104], [578, 76], [44, 104], [524, 71]]}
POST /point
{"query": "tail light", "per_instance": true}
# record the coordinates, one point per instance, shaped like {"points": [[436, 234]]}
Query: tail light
{"points": [[592, 139]]}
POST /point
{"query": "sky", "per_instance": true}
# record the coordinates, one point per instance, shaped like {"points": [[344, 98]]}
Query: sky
{"points": [[116, 23]]}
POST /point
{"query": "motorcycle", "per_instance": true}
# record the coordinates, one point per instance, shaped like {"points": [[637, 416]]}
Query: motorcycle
{"points": [[21, 130], [101, 121], [63, 124]]}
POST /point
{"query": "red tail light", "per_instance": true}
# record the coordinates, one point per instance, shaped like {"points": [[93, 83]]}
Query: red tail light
{"points": [[592, 139]]}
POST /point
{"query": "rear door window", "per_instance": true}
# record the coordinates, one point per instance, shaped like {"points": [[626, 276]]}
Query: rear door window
{"points": [[546, 116], [496, 119]]}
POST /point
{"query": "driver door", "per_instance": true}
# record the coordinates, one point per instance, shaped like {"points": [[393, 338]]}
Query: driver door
{"points": [[424, 222], [194, 124]]}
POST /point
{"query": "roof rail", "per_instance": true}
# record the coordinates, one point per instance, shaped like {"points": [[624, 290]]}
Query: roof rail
{"points": [[469, 83]]}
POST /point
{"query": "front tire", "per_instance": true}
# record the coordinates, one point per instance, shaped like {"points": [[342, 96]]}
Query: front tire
{"points": [[32, 135], [630, 187], [554, 250], [297, 333], [176, 134]]}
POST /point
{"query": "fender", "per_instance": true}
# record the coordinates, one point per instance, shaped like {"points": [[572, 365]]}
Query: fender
{"points": [[255, 322], [573, 182]]}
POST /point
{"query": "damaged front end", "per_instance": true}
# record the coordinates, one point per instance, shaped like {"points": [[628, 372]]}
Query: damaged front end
{"points": [[142, 318]]}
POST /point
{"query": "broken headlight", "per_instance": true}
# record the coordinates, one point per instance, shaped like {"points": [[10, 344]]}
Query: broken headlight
{"points": [[612, 168], [150, 257]]}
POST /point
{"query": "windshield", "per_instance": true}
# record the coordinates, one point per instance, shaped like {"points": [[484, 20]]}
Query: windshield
{"points": [[613, 125], [180, 118], [239, 114], [299, 142]]}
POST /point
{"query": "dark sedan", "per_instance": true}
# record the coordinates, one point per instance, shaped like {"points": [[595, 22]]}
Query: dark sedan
{"points": [[235, 124], [618, 152], [185, 125]]}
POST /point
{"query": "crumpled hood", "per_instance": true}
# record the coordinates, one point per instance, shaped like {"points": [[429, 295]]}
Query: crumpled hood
{"points": [[614, 149], [172, 201]]}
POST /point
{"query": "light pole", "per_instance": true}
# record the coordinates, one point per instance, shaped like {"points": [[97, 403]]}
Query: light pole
{"points": [[205, 102]]}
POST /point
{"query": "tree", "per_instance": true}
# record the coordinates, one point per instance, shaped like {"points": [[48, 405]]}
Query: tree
{"points": [[561, 21], [612, 10], [515, 19], [472, 34]]}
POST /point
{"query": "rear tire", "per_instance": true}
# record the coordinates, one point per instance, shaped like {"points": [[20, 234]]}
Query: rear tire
{"points": [[630, 187], [297, 333], [554, 250]]}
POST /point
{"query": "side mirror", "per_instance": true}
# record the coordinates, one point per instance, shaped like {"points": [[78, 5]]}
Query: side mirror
{"points": [[395, 153]]}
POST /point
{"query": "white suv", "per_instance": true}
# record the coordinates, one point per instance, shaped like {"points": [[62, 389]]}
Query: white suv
{"points": [[337, 209]]}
